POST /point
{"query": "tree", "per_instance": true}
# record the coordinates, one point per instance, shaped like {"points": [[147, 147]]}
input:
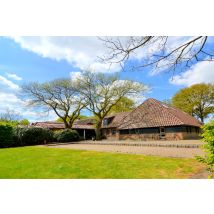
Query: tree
{"points": [[101, 92], [124, 105], [197, 100], [58, 95], [168, 102], [24, 122], [10, 115], [162, 52], [81, 117], [208, 137]]}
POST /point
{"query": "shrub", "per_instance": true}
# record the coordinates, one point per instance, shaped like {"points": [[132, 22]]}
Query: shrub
{"points": [[32, 136], [66, 135], [208, 137], [6, 134]]}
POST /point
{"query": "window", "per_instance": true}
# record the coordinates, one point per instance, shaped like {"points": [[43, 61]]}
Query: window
{"points": [[197, 130], [173, 129], [105, 122], [132, 131], [138, 131], [150, 130], [124, 131], [188, 129], [113, 131]]}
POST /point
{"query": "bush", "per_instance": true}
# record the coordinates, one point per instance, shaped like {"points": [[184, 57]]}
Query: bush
{"points": [[66, 135], [208, 137], [32, 136], [6, 134]]}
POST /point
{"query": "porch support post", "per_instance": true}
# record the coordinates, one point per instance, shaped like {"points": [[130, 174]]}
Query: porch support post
{"points": [[84, 134]]}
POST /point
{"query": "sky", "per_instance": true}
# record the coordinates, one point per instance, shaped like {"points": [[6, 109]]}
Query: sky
{"points": [[29, 59]]}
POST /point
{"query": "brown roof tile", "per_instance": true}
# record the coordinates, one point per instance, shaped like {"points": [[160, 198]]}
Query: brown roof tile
{"points": [[153, 113], [59, 125], [115, 119], [49, 125]]}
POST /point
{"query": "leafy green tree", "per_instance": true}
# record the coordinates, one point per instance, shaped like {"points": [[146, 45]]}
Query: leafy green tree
{"points": [[101, 92], [58, 95], [81, 117], [197, 100], [24, 122], [124, 105], [208, 136]]}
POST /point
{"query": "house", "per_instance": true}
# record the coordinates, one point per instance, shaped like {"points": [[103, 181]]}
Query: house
{"points": [[152, 120], [85, 127]]}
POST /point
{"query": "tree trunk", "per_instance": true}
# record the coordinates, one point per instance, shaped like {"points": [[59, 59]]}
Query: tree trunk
{"points": [[67, 125], [202, 119], [98, 130]]}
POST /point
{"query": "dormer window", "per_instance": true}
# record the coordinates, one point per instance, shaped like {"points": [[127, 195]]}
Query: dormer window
{"points": [[105, 122]]}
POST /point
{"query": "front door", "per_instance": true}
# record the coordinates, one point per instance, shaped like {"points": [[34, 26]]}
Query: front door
{"points": [[162, 133]]}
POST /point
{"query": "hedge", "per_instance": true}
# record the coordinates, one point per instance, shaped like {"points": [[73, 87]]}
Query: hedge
{"points": [[208, 138], [66, 135], [6, 134], [32, 136]]}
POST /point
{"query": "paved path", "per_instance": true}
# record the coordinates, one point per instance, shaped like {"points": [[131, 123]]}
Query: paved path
{"points": [[159, 143], [146, 150]]}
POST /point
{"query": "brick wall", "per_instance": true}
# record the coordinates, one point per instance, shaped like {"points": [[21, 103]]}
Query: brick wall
{"points": [[180, 134]]}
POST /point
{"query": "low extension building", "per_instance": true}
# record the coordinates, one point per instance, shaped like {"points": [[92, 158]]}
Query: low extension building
{"points": [[152, 120], [85, 127]]}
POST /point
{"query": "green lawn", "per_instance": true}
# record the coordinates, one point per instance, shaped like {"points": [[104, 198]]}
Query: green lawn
{"points": [[41, 162]]}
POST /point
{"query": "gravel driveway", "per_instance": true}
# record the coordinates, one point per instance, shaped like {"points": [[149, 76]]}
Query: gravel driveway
{"points": [[146, 150]]}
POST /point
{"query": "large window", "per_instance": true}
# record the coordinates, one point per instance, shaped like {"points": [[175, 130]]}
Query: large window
{"points": [[124, 131], [174, 129], [188, 129], [140, 131], [197, 130], [150, 130]]}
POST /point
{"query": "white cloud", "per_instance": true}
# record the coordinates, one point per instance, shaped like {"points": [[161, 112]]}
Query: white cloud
{"points": [[75, 75], [13, 76], [5, 82], [202, 72], [9, 99], [81, 52], [13, 102]]}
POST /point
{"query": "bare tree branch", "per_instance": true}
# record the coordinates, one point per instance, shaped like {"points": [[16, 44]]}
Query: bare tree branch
{"points": [[157, 51]]}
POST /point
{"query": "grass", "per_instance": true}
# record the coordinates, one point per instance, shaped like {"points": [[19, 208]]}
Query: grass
{"points": [[42, 162]]}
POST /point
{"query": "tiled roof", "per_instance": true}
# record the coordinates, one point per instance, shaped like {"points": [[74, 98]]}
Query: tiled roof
{"points": [[88, 121], [49, 125], [153, 113], [79, 124], [115, 119]]}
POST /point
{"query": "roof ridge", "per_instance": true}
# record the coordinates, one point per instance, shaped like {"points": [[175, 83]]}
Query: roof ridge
{"points": [[170, 107], [162, 104], [179, 110]]}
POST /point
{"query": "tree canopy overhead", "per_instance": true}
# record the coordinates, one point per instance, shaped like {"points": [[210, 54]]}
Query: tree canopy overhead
{"points": [[197, 100], [161, 52]]}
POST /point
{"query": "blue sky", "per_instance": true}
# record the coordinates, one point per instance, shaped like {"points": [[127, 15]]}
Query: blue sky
{"points": [[26, 59]]}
